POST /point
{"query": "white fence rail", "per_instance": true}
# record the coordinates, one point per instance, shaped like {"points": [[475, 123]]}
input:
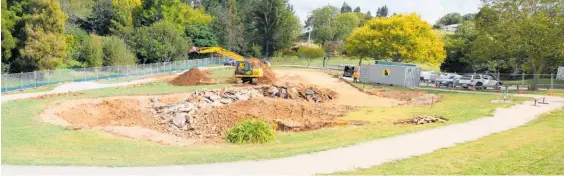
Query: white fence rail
{"points": [[19, 81]]}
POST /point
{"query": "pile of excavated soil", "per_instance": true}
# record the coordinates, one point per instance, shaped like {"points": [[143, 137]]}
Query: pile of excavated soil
{"points": [[269, 76], [120, 112], [192, 77], [286, 114]]}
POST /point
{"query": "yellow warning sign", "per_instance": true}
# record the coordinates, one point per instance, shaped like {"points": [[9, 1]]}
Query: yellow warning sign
{"points": [[386, 72]]}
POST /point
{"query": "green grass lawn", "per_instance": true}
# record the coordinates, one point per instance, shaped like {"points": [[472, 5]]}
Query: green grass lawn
{"points": [[534, 149], [28, 141]]}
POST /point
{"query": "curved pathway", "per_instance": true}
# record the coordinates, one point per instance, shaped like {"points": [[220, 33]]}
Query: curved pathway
{"points": [[343, 159]]}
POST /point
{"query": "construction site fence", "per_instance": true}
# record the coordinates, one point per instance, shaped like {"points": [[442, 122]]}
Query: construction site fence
{"points": [[26, 80], [522, 81]]}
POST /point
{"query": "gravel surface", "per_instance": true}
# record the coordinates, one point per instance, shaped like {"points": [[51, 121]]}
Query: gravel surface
{"points": [[343, 159]]}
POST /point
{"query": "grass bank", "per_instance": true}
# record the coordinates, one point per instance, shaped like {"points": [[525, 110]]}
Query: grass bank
{"points": [[534, 149]]}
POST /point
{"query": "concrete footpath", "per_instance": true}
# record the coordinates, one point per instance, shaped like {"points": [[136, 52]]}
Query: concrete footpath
{"points": [[362, 155]]}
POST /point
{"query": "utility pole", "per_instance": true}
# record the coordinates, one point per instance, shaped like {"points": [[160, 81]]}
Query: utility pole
{"points": [[309, 30]]}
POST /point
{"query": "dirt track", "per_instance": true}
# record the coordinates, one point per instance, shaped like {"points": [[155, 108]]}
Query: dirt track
{"points": [[347, 94]]}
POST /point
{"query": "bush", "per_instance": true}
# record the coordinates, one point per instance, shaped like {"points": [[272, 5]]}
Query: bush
{"points": [[160, 42], [251, 131], [310, 53], [116, 52], [92, 51]]}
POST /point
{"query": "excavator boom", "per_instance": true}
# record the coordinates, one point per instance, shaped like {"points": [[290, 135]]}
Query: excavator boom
{"points": [[222, 52]]}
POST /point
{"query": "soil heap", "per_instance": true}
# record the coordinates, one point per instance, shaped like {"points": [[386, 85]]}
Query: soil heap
{"points": [[192, 77], [269, 76]]}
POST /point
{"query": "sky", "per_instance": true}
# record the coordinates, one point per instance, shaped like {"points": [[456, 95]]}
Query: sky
{"points": [[430, 10]]}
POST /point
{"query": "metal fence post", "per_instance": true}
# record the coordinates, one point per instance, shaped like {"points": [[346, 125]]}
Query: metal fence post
{"points": [[35, 78], [523, 79], [551, 81], [21, 81]]}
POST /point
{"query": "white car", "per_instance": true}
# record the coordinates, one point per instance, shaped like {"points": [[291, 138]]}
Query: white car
{"points": [[479, 81], [449, 80]]}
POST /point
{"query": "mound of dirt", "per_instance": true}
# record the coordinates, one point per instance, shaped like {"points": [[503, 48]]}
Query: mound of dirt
{"points": [[269, 75], [121, 112], [192, 77], [286, 114]]}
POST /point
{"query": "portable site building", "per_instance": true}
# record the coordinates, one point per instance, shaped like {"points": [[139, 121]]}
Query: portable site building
{"points": [[390, 73]]}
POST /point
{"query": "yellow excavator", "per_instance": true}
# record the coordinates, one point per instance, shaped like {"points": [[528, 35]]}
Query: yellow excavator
{"points": [[243, 69]]}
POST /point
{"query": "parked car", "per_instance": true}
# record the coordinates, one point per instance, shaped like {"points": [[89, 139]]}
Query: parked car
{"points": [[479, 81], [348, 71], [229, 62], [429, 76], [448, 80]]}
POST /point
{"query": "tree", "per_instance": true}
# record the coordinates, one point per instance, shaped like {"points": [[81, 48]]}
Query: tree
{"points": [[369, 13], [160, 42], [174, 11], [9, 42], [458, 47], [116, 52], [45, 46], [468, 17], [344, 24], [93, 52], [357, 9], [271, 24], [124, 10], [346, 8], [322, 20], [201, 36], [412, 40], [451, 18], [310, 53], [529, 31], [101, 19], [382, 11]]}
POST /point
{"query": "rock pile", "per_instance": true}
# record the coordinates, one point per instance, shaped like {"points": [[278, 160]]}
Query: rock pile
{"points": [[183, 116], [290, 91], [420, 120]]}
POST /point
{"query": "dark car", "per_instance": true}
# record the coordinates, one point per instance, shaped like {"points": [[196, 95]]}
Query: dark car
{"points": [[348, 71], [229, 62]]}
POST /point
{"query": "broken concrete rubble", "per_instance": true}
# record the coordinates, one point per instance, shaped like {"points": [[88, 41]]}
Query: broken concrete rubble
{"points": [[420, 120]]}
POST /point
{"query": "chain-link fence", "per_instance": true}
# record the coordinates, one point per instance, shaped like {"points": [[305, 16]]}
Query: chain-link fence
{"points": [[19, 81]]}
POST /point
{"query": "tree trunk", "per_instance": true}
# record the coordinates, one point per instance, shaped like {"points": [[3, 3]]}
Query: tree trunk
{"points": [[360, 61], [533, 86]]}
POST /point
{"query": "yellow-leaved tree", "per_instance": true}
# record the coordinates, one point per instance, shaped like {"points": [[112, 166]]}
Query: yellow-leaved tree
{"points": [[400, 38]]}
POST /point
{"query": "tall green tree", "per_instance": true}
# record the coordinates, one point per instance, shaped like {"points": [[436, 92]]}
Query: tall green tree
{"points": [[101, 18], [272, 24], [124, 13], [45, 46], [174, 11], [530, 31], [451, 18], [322, 21], [9, 42], [357, 9], [400, 38], [93, 52], [346, 8], [382, 11]]}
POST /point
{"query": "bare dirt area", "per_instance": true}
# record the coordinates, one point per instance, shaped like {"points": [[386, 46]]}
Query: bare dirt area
{"points": [[348, 95], [205, 116], [299, 100], [413, 98]]}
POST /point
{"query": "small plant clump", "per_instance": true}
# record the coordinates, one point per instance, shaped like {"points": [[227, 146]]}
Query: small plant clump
{"points": [[251, 132]]}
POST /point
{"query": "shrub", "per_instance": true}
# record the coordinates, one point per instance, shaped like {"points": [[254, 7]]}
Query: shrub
{"points": [[251, 131], [116, 52], [160, 42], [92, 51], [310, 53]]}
